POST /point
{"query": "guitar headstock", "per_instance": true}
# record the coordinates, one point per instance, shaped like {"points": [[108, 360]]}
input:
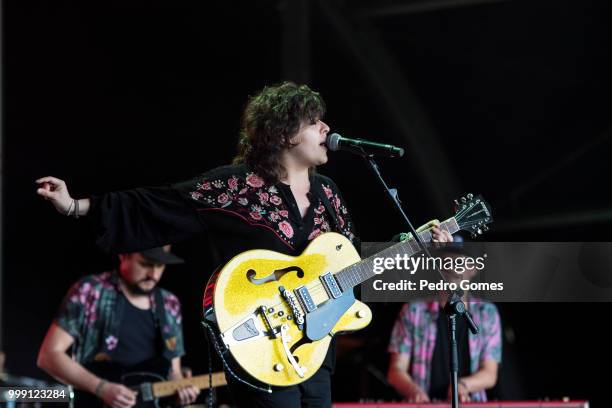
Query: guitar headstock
{"points": [[473, 214]]}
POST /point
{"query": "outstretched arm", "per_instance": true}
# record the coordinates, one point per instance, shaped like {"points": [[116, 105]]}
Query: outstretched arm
{"points": [[130, 220]]}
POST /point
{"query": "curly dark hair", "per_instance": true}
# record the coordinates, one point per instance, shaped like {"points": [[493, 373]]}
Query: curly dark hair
{"points": [[269, 121]]}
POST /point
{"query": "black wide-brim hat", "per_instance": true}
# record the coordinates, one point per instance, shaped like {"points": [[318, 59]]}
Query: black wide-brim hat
{"points": [[162, 256]]}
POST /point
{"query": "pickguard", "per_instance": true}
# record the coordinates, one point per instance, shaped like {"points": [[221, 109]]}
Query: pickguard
{"points": [[320, 322]]}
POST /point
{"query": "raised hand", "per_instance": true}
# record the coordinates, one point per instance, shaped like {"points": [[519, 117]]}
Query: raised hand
{"points": [[56, 191]]}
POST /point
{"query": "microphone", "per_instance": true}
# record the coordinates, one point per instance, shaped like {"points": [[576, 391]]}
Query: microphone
{"points": [[336, 142]]}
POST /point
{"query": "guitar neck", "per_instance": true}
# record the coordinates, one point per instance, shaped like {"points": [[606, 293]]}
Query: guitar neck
{"points": [[166, 388], [363, 270]]}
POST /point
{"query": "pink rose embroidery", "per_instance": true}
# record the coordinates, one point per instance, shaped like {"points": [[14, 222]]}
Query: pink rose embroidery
{"points": [[340, 221], [286, 228], [284, 213], [336, 202], [206, 185], [222, 199], [328, 191], [276, 200], [314, 234], [254, 180], [232, 183], [274, 216], [320, 209], [317, 221], [263, 196], [256, 216]]}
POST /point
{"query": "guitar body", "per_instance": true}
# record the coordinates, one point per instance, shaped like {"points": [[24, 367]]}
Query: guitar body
{"points": [[257, 299], [276, 314]]}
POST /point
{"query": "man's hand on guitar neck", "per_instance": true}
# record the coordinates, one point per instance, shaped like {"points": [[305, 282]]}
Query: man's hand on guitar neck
{"points": [[186, 395], [117, 395]]}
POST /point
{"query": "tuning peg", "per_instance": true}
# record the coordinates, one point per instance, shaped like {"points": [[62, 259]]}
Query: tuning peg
{"points": [[470, 196], [479, 231], [485, 228], [456, 203], [463, 200]]}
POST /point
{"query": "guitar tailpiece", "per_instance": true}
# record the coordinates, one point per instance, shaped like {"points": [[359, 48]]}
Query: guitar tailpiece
{"points": [[210, 335]]}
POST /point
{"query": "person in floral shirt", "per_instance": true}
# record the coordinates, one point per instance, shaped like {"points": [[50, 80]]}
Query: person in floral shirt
{"points": [[121, 318], [271, 198], [419, 347]]}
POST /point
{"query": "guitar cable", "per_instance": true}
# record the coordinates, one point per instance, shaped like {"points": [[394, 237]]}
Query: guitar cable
{"points": [[210, 335]]}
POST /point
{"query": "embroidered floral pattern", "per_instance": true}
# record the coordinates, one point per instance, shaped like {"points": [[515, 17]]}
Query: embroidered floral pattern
{"points": [[254, 200], [345, 227], [248, 196]]}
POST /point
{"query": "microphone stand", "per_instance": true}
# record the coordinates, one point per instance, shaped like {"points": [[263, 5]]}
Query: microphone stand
{"points": [[454, 305]]}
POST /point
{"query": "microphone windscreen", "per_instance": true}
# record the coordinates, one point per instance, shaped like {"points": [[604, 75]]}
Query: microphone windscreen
{"points": [[333, 141]]}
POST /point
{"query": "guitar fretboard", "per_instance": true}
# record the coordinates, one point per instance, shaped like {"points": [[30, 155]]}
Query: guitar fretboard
{"points": [[363, 270], [166, 388]]}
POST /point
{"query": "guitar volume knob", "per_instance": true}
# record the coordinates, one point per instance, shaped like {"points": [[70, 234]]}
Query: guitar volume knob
{"points": [[278, 367]]}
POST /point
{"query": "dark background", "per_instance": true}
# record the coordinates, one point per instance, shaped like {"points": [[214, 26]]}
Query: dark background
{"points": [[510, 99]]}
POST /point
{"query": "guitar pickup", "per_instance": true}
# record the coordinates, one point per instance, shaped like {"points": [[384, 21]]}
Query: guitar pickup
{"points": [[305, 299], [330, 285]]}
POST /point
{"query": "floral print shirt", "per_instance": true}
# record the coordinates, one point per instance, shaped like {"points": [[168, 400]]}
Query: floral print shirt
{"points": [[91, 312], [414, 334]]}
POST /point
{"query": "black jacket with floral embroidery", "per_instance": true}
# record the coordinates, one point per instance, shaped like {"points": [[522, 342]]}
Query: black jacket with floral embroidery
{"points": [[232, 205]]}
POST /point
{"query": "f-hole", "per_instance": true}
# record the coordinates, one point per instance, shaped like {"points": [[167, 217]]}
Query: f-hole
{"points": [[274, 276]]}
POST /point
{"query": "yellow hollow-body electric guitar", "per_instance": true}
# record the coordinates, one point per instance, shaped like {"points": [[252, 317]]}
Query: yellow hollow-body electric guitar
{"points": [[276, 314]]}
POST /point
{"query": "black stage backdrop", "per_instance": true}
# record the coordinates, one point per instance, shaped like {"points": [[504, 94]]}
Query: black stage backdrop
{"points": [[119, 94]]}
